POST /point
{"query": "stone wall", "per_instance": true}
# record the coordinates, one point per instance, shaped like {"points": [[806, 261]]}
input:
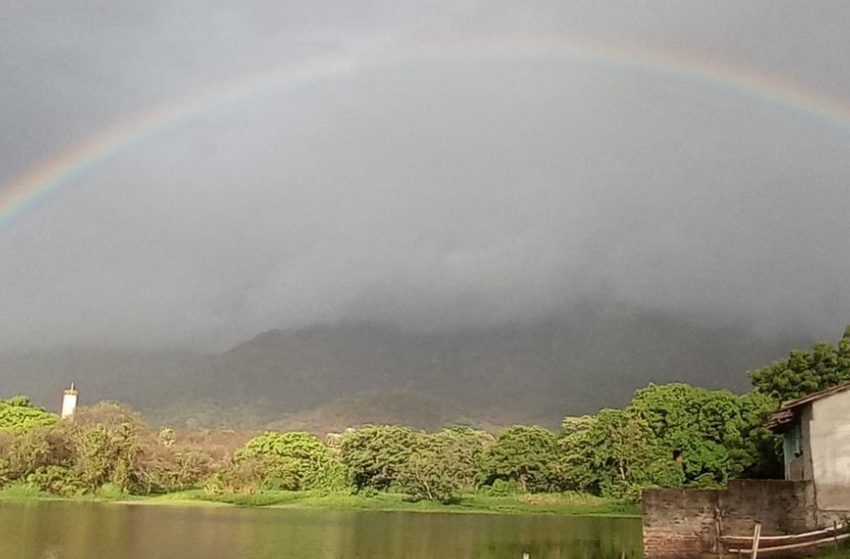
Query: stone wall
{"points": [[686, 524]]}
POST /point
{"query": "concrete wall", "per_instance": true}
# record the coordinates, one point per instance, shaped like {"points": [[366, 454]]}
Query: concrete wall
{"points": [[684, 524], [829, 440]]}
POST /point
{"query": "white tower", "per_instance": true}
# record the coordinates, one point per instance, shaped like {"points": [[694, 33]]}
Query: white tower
{"points": [[69, 402]]}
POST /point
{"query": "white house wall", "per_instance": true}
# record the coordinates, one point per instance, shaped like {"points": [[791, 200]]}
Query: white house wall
{"points": [[829, 440]]}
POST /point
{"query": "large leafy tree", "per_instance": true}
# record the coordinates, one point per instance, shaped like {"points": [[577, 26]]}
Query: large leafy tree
{"points": [[614, 454], [106, 443], [526, 455], [443, 465], [373, 455], [163, 469], [290, 461], [699, 428], [576, 448], [669, 435], [43, 456], [805, 371], [760, 451], [99, 446], [37, 450]]}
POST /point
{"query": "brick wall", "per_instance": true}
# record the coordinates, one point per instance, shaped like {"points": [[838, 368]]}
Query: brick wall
{"points": [[678, 523], [684, 524]]}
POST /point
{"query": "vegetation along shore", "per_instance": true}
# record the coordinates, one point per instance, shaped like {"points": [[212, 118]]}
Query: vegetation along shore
{"points": [[672, 435]]}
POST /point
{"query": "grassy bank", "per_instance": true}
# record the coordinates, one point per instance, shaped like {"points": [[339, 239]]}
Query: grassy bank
{"points": [[843, 553], [566, 504]]}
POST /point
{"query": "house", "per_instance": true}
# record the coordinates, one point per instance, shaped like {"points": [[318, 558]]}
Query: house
{"points": [[816, 443], [815, 494]]}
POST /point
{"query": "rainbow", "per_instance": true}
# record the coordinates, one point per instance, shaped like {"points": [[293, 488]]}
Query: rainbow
{"points": [[26, 190]]}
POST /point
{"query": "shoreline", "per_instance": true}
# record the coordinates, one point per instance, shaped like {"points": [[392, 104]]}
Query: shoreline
{"points": [[546, 504]]}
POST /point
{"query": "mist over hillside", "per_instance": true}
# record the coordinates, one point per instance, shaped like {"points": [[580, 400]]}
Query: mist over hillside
{"points": [[326, 377]]}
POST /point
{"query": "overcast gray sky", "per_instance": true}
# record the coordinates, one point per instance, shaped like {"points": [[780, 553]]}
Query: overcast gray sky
{"points": [[458, 186]]}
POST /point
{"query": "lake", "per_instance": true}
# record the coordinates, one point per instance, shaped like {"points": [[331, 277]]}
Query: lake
{"points": [[65, 530]]}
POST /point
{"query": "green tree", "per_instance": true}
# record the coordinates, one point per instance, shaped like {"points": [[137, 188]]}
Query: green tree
{"points": [[106, 444], [760, 451], [43, 457], [700, 428], [715, 434], [526, 455], [805, 371], [18, 415], [6, 442], [166, 437], [669, 435], [442, 465], [575, 454], [163, 465], [626, 456], [373, 455], [291, 461]]}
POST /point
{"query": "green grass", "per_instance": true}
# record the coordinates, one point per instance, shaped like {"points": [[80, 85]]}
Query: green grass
{"points": [[25, 493], [843, 553], [568, 504], [111, 492], [28, 493], [551, 503]]}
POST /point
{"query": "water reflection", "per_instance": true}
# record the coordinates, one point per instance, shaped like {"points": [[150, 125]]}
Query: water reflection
{"points": [[103, 531]]}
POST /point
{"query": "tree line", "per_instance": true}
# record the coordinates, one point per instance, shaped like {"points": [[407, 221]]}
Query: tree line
{"points": [[672, 435]]}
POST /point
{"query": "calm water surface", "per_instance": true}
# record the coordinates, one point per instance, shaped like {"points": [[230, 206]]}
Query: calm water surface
{"points": [[104, 531]]}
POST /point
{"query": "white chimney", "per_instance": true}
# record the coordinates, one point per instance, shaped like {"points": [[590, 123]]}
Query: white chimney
{"points": [[69, 402]]}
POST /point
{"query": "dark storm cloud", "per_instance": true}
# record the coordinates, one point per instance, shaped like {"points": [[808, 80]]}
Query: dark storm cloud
{"points": [[447, 192]]}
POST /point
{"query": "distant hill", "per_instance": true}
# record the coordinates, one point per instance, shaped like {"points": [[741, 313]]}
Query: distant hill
{"points": [[418, 410], [329, 376]]}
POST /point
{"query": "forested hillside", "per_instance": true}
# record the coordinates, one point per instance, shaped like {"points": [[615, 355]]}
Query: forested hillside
{"points": [[323, 377]]}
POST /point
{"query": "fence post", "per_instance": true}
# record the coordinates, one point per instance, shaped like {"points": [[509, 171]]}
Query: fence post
{"points": [[756, 537], [717, 544], [835, 533]]}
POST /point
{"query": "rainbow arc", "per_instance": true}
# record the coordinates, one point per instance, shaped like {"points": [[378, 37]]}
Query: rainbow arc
{"points": [[26, 190]]}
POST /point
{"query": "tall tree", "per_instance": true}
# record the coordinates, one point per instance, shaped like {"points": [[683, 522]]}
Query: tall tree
{"points": [[695, 426], [625, 456], [106, 442], [443, 465], [291, 461], [526, 455], [805, 371], [373, 455]]}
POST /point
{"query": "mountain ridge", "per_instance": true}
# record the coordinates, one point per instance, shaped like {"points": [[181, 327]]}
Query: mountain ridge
{"points": [[532, 371]]}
